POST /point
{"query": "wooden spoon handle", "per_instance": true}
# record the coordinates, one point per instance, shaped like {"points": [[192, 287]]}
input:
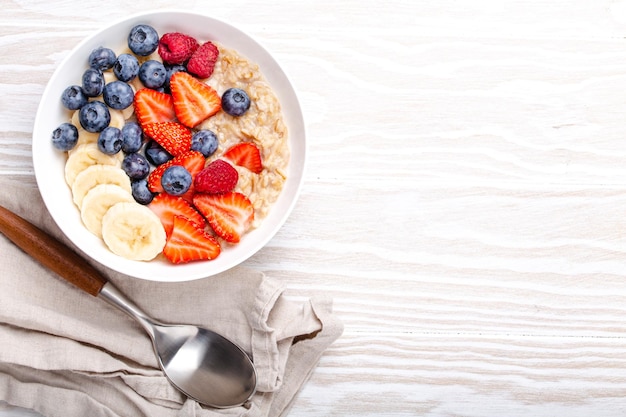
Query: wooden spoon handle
{"points": [[51, 253]]}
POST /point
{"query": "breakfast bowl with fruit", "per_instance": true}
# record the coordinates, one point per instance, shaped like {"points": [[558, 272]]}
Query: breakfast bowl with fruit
{"points": [[169, 146]]}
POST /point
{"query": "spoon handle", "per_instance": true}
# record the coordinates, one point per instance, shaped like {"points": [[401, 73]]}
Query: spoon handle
{"points": [[51, 253]]}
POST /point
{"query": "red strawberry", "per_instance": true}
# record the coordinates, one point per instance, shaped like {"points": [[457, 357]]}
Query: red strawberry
{"points": [[152, 106], [194, 101], [192, 160], [217, 177], [245, 154], [167, 206], [229, 214], [202, 62], [176, 48], [172, 136], [189, 242]]}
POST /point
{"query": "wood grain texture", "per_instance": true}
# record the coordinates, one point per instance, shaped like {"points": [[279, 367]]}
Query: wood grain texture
{"points": [[465, 196]]}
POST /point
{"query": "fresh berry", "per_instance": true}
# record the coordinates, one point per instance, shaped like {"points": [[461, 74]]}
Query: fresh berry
{"points": [[167, 206], [235, 101], [194, 101], [141, 193], [152, 106], [143, 40], [204, 141], [192, 160], [172, 136], [176, 48], [118, 95], [171, 70], [65, 137], [136, 166], [94, 116], [110, 140], [245, 154], [93, 82], [152, 74], [126, 67], [101, 58], [217, 177], [74, 97], [229, 214], [202, 62], [190, 242], [176, 180], [132, 135], [155, 153]]}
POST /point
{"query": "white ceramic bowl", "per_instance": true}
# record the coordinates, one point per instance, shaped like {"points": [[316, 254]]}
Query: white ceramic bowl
{"points": [[49, 163]]}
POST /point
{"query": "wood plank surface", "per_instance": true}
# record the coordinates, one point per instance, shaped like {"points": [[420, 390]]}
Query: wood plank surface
{"points": [[464, 202]]}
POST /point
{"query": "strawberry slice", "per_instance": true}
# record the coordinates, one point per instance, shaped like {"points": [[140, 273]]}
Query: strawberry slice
{"points": [[194, 101], [152, 106], [168, 206], [172, 136], [245, 154], [192, 160], [189, 242], [230, 214]]}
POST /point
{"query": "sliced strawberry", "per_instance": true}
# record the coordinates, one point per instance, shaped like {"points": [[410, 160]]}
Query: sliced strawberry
{"points": [[192, 160], [167, 206], [152, 106], [194, 101], [172, 136], [245, 154], [229, 214], [217, 177], [189, 242]]}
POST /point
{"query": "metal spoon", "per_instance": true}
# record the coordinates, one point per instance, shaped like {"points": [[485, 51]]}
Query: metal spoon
{"points": [[202, 364]]}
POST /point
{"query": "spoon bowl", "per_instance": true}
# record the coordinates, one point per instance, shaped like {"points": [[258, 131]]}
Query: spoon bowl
{"points": [[199, 362]]}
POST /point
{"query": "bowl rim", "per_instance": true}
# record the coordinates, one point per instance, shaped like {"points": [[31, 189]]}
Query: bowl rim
{"points": [[255, 239]]}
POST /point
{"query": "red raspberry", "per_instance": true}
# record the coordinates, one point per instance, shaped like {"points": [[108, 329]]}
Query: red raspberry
{"points": [[202, 61], [176, 48], [216, 178]]}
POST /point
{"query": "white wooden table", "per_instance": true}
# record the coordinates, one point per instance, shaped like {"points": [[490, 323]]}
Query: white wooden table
{"points": [[465, 199]]}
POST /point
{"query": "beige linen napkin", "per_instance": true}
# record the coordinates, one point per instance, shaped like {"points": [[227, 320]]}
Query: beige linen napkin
{"points": [[66, 353]]}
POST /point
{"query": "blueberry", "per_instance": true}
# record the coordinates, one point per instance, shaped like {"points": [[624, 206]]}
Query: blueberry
{"points": [[176, 180], [152, 74], [235, 101], [110, 140], [155, 154], [65, 137], [118, 95], [94, 116], [126, 67], [171, 70], [93, 82], [143, 40], [74, 97], [102, 58], [141, 192], [132, 137], [136, 166], [205, 142]]}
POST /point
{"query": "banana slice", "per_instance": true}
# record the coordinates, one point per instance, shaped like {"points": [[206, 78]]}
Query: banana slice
{"points": [[133, 231], [117, 118], [86, 155], [96, 175], [86, 137], [96, 203]]}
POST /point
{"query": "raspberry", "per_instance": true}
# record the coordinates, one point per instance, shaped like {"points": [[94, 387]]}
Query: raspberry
{"points": [[176, 48], [216, 178], [202, 61]]}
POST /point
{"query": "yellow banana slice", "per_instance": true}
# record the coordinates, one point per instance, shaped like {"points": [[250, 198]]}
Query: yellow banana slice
{"points": [[96, 203], [133, 231], [86, 155], [95, 175]]}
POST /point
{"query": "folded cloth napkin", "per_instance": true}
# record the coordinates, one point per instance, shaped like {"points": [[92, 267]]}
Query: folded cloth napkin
{"points": [[65, 353]]}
